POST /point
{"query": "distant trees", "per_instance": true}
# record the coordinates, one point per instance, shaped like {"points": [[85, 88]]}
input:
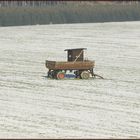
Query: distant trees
{"points": [[23, 3], [34, 3], [46, 12]]}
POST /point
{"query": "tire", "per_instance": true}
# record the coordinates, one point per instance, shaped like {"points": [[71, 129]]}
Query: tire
{"points": [[85, 75], [60, 75], [50, 74]]}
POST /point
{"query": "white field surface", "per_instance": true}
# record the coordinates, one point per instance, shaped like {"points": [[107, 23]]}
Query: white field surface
{"points": [[32, 106]]}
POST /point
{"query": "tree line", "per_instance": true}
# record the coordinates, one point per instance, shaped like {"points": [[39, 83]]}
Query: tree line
{"points": [[68, 12]]}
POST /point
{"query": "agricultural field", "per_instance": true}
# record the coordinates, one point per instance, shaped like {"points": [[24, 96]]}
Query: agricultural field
{"points": [[32, 106]]}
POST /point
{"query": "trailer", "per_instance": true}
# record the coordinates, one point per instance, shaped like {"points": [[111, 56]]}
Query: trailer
{"points": [[74, 67]]}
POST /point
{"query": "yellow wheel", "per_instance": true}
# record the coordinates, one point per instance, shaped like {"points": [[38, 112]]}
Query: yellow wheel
{"points": [[85, 75]]}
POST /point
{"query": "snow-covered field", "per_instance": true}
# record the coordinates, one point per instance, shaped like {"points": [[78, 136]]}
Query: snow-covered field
{"points": [[32, 106]]}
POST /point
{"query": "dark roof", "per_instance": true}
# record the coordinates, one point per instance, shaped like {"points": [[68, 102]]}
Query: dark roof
{"points": [[76, 49]]}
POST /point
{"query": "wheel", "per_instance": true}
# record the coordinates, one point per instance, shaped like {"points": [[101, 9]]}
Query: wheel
{"points": [[77, 74], [50, 74], [85, 75], [60, 75]]}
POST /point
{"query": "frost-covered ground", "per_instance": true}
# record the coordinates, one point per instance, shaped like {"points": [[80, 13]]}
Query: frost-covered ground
{"points": [[32, 106]]}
